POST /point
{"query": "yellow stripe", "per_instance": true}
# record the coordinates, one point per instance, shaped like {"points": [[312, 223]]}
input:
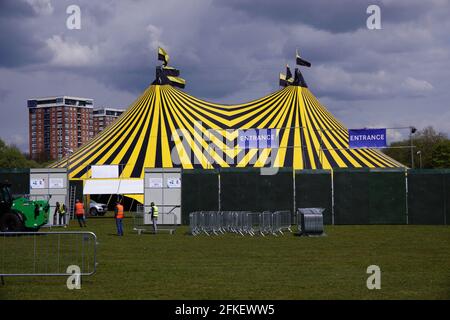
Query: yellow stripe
{"points": [[325, 139], [279, 160], [184, 156], [166, 155], [87, 160]]}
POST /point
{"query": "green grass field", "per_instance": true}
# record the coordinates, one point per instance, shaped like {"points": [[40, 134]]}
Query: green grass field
{"points": [[414, 261]]}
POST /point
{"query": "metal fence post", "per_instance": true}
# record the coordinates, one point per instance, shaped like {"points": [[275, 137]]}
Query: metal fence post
{"points": [[219, 191], [293, 195], [332, 196], [406, 191]]}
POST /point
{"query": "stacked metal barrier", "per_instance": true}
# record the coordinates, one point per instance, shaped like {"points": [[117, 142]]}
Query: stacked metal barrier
{"points": [[310, 221], [239, 222]]}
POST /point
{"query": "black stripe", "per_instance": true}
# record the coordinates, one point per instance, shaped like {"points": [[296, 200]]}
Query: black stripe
{"points": [[139, 165], [100, 144], [110, 132], [117, 149], [314, 151], [312, 109], [175, 124]]}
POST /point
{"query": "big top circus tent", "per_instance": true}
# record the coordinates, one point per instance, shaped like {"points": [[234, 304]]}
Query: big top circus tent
{"points": [[166, 128]]}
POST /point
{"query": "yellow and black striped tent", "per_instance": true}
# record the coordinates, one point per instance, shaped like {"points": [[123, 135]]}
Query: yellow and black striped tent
{"points": [[166, 127]]}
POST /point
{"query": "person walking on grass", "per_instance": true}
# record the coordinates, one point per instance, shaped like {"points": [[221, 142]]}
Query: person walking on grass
{"points": [[154, 216], [79, 212], [118, 214], [56, 213], [60, 212]]}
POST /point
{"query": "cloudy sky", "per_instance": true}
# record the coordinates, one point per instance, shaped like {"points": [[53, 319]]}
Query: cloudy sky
{"points": [[231, 51]]}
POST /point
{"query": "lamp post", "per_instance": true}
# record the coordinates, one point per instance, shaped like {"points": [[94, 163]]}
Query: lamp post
{"points": [[68, 154], [411, 132], [419, 153]]}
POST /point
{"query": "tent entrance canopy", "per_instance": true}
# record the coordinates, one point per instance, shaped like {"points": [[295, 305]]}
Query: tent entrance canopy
{"points": [[133, 188]]}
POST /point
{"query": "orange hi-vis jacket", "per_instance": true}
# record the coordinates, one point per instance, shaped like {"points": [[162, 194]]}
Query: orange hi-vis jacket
{"points": [[119, 214], [79, 209]]}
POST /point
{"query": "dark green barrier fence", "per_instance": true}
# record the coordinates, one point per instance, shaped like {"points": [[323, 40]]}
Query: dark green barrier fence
{"points": [[199, 192], [428, 196], [313, 190], [387, 197], [447, 200], [351, 196], [18, 178], [361, 196], [369, 196], [247, 189]]}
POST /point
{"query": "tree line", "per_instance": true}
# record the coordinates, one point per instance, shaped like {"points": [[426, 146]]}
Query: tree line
{"points": [[431, 150], [12, 157]]}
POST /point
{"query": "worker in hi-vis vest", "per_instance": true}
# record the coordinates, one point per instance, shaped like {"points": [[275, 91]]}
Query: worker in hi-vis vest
{"points": [[79, 212], [154, 216], [118, 214]]}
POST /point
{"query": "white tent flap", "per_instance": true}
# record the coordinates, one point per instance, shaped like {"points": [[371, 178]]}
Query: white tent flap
{"points": [[105, 171], [131, 186], [113, 186]]}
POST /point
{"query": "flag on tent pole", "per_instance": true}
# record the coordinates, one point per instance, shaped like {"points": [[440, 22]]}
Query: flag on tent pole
{"points": [[300, 61], [284, 82], [299, 80], [288, 72], [163, 56]]}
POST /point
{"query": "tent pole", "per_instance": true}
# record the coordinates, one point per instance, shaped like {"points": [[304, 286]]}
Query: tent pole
{"points": [[109, 200]]}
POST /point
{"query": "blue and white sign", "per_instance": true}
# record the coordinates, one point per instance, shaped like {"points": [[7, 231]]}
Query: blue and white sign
{"points": [[367, 138], [258, 138]]}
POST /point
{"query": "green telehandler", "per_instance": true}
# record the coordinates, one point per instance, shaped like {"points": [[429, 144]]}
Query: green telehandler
{"points": [[21, 214]]}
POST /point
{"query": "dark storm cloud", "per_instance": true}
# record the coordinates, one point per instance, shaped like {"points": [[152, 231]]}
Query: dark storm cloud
{"points": [[230, 51], [333, 16], [15, 9], [3, 94], [18, 46]]}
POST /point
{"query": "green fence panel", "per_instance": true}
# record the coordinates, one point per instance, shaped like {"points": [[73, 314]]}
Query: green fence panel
{"points": [[447, 198], [427, 196], [387, 197], [313, 190], [199, 192], [351, 196], [18, 178], [247, 189]]}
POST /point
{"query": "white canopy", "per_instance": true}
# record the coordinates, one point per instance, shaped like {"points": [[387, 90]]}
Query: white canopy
{"points": [[113, 186]]}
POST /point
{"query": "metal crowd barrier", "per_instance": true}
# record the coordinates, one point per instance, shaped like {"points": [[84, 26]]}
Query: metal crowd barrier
{"points": [[239, 222], [47, 253], [167, 221], [310, 221]]}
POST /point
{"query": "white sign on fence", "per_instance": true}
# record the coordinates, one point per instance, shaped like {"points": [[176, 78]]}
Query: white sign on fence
{"points": [[155, 183], [37, 183], [56, 183], [173, 183]]}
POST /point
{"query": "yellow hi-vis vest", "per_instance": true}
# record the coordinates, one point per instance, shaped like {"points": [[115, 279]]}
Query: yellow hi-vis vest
{"points": [[61, 209], [155, 212]]}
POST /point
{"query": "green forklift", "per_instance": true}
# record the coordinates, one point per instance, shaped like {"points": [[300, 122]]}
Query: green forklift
{"points": [[21, 214]]}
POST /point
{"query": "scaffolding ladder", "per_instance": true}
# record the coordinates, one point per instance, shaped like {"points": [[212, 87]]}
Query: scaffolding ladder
{"points": [[72, 195]]}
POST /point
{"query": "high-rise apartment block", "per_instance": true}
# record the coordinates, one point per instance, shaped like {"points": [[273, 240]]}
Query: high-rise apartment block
{"points": [[103, 117], [58, 125]]}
